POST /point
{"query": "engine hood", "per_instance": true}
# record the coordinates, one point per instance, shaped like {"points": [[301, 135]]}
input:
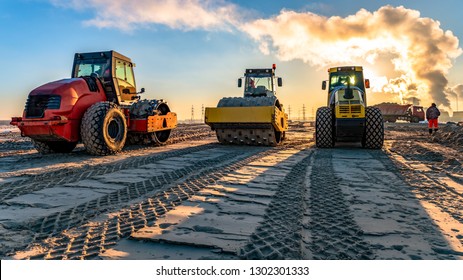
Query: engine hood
{"points": [[60, 87]]}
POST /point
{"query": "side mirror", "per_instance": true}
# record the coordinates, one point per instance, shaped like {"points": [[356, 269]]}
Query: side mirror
{"points": [[367, 83], [280, 82], [240, 82], [323, 85], [142, 90]]}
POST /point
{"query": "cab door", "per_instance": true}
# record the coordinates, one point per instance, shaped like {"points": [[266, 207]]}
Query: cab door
{"points": [[124, 80]]}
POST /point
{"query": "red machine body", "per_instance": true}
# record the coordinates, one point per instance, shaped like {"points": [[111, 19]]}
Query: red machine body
{"points": [[95, 106], [62, 123]]}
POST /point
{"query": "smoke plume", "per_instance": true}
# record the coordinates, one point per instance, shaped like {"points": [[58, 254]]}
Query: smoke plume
{"points": [[421, 51], [456, 93]]}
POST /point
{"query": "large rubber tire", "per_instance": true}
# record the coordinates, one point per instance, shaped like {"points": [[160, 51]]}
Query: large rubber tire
{"points": [[41, 147], [48, 147], [324, 128], [103, 129], [374, 129]]}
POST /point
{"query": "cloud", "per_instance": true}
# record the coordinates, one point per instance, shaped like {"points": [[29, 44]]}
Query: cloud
{"points": [[421, 51], [177, 14]]}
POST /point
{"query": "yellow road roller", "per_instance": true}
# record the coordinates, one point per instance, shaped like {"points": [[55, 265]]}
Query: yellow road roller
{"points": [[257, 118], [347, 118]]}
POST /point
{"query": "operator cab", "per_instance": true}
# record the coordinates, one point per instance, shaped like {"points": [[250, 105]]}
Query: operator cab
{"points": [[260, 82], [347, 76], [114, 70]]}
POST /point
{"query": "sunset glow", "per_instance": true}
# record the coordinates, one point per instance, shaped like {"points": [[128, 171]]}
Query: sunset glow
{"points": [[412, 51]]}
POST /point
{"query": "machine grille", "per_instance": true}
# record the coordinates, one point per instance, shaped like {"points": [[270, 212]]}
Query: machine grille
{"points": [[37, 104], [356, 109], [54, 102], [344, 109]]}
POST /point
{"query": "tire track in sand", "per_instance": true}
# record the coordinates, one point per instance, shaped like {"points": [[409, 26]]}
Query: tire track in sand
{"points": [[87, 241], [334, 232]]}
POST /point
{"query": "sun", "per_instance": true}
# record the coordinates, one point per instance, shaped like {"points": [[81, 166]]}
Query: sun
{"points": [[376, 82]]}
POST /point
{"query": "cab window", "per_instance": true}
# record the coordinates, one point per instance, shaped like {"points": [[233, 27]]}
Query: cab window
{"points": [[89, 67], [129, 74], [124, 72], [120, 70], [343, 78]]}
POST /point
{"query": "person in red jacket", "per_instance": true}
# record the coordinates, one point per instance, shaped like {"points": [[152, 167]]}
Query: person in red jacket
{"points": [[432, 114]]}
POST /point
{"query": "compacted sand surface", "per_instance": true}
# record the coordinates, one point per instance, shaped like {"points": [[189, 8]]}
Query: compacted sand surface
{"points": [[197, 199]]}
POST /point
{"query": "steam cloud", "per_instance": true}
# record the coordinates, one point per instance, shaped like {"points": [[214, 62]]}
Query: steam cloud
{"points": [[418, 50], [455, 92], [421, 51]]}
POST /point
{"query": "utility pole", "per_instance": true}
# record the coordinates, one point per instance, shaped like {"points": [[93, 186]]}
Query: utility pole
{"points": [[289, 111], [192, 113], [303, 112], [457, 101], [202, 113]]}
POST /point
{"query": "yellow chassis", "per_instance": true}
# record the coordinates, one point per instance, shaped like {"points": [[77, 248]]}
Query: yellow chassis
{"points": [[247, 115]]}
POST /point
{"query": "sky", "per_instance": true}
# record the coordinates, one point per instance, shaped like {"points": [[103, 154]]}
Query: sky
{"points": [[191, 52]]}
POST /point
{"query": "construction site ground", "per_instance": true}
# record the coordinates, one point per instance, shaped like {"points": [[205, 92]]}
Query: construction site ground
{"points": [[197, 199]]}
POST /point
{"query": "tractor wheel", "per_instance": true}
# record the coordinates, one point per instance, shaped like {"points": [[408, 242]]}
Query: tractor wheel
{"points": [[324, 128], [374, 129], [143, 109], [48, 147], [42, 147], [160, 137], [155, 138], [103, 129]]}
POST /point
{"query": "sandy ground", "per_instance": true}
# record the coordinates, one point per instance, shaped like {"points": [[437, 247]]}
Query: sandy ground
{"points": [[197, 199]]}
